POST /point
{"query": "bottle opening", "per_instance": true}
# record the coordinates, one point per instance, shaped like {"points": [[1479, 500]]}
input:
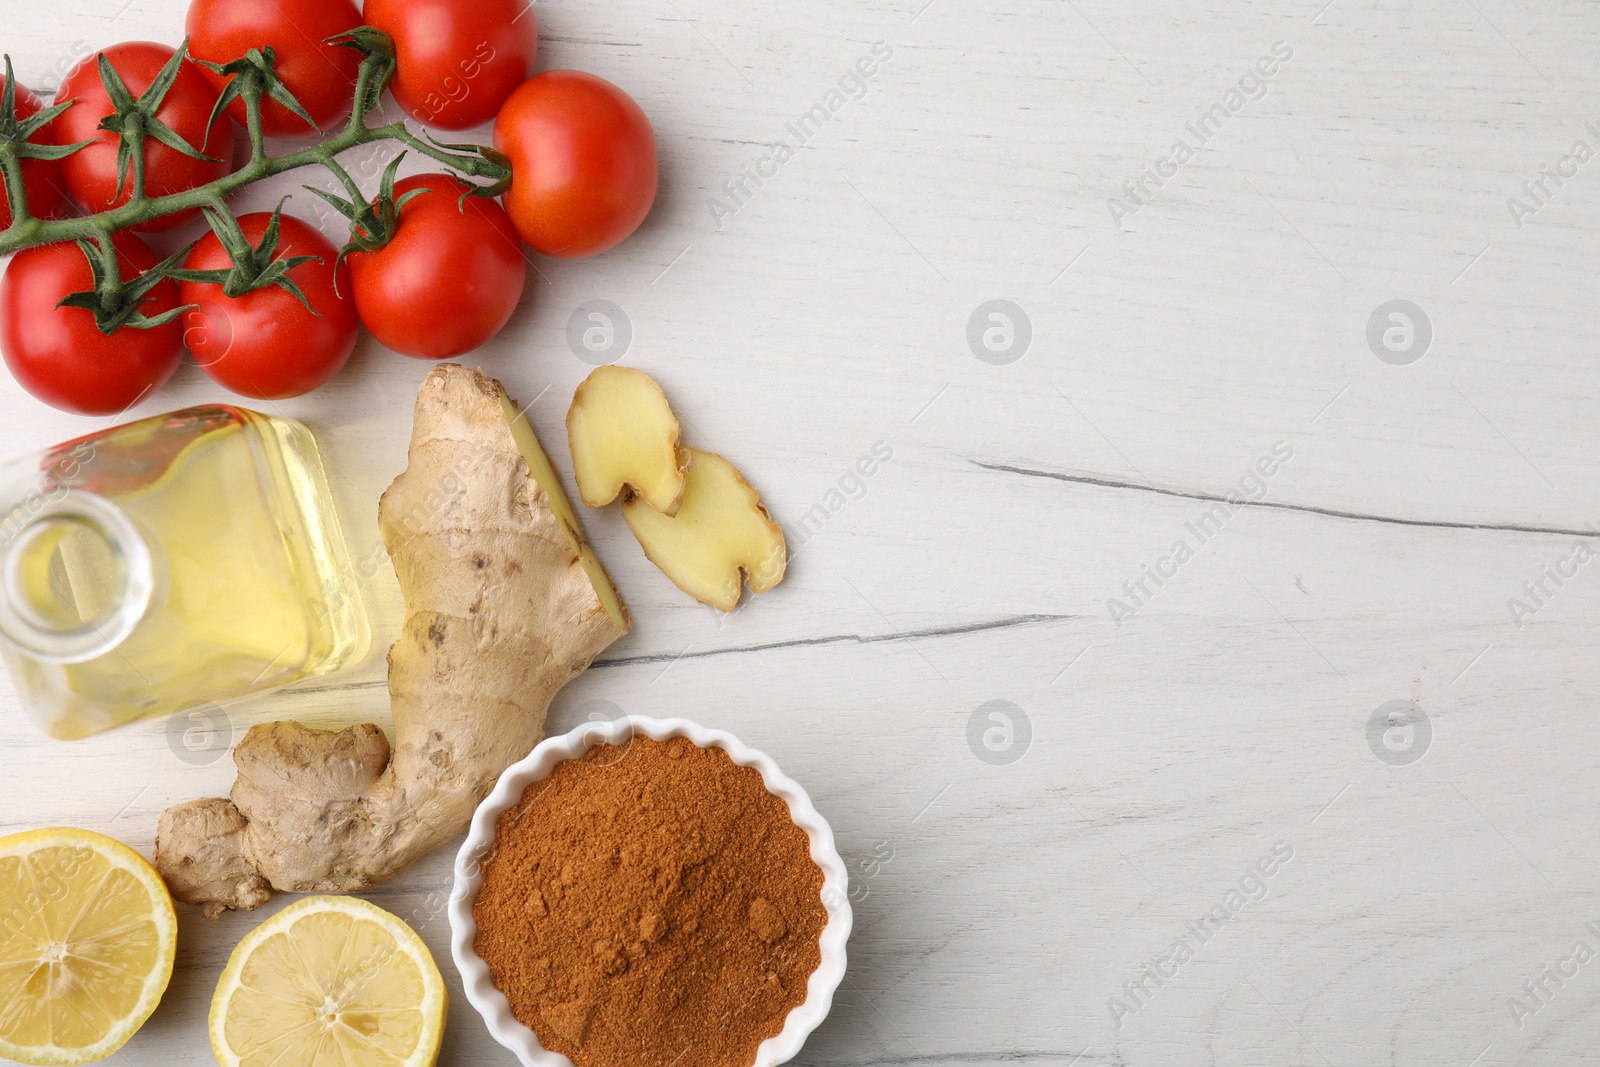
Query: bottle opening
{"points": [[63, 574], [74, 579]]}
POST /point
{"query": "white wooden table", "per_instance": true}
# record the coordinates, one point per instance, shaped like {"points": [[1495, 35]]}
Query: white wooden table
{"points": [[1015, 874]]}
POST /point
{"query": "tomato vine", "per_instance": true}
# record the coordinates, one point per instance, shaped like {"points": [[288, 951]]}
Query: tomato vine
{"points": [[252, 79]]}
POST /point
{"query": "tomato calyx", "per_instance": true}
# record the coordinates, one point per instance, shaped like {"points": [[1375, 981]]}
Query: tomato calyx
{"points": [[17, 132], [115, 303], [372, 224], [16, 143], [379, 58], [252, 77], [132, 120], [254, 266]]}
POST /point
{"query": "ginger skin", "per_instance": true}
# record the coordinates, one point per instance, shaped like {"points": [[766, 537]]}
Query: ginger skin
{"points": [[501, 612]]}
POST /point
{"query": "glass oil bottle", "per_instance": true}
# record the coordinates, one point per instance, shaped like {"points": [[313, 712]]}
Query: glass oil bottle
{"points": [[188, 558]]}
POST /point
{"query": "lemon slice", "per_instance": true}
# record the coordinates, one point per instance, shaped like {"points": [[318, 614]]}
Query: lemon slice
{"points": [[329, 982], [87, 939]]}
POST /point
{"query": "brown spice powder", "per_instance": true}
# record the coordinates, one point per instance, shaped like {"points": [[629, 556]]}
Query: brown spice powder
{"points": [[651, 904]]}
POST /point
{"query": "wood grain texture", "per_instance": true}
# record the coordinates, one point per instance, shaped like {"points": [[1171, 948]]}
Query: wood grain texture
{"points": [[1004, 905]]}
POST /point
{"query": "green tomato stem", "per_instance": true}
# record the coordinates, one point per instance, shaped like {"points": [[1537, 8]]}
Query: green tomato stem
{"points": [[110, 287], [351, 186], [16, 195], [228, 231], [252, 125], [135, 138]]}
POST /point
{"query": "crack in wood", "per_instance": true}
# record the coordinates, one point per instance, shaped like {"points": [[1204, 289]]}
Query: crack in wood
{"points": [[1003, 623], [1272, 505]]}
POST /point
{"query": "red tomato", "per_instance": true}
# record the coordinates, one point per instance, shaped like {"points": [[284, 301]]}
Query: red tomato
{"points": [[449, 279], [321, 76], [583, 162], [91, 174], [41, 178], [458, 59], [59, 354], [265, 344]]}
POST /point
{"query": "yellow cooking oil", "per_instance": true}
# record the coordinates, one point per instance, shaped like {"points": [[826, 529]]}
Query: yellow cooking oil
{"points": [[172, 564]]}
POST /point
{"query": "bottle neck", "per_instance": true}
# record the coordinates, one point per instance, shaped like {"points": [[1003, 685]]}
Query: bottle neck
{"points": [[76, 576]]}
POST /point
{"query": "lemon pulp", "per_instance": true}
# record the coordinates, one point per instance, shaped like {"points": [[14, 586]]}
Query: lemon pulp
{"points": [[87, 940], [329, 982]]}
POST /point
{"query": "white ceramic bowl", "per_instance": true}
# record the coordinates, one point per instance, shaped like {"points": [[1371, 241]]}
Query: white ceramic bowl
{"points": [[538, 764]]}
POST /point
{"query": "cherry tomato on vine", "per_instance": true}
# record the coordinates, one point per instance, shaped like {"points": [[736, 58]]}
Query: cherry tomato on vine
{"points": [[41, 178], [265, 344], [583, 162], [321, 76], [91, 174], [450, 277], [458, 59], [59, 354]]}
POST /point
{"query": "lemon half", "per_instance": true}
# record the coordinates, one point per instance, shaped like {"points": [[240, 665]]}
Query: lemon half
{"points": [[329, 982], [87, 939]]}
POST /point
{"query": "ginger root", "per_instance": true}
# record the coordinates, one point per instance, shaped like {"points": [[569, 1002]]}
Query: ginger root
{"points": [[623, 434], [505, 604], [720, 534]]}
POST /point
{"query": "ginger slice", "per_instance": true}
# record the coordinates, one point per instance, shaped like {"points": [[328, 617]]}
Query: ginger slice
{"points": [[720, 534], [505, 604], [623, 435]]}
